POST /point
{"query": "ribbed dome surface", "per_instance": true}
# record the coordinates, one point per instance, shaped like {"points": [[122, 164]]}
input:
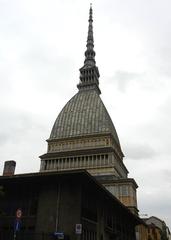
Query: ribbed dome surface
{"points": [[83, 115]]}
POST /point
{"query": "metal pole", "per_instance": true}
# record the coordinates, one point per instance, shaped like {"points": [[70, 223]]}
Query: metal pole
{"points": [[57, 206], [15, 236]]}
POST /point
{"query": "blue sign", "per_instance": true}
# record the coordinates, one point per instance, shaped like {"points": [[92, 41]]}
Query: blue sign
{"points": [[60, 235]]}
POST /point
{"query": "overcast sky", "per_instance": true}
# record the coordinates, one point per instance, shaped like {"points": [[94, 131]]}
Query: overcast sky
{"points": [[42, 44]]}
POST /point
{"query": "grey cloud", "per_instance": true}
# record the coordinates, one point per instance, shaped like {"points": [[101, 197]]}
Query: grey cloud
{"points": [[158, 131], [166, 174], [22, 138], [3, 138], [123, 79], [151, 139], [139, 151], [165, 108], [16, 125], [43, 64]]}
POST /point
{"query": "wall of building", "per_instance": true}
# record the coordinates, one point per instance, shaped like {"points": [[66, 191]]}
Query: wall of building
{"points": [[57, 203]]}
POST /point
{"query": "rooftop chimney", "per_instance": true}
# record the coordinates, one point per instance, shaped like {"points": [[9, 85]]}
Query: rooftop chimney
{"points": [[9, 168]]}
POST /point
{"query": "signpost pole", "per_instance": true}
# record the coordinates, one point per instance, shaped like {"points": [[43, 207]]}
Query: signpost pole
{"points": [[14, 236]]}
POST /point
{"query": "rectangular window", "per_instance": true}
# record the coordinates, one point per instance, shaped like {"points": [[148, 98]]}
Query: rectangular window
{"points": [[124, 191]]}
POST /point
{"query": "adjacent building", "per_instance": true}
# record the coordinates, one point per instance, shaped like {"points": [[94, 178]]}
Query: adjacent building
{"points": [[157, 229]]}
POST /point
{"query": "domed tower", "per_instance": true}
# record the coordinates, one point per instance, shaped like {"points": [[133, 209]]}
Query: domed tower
{"points": [[83, 135]]}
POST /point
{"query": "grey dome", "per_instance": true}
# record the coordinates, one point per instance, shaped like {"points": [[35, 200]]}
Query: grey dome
{"points": [[84, 114]]}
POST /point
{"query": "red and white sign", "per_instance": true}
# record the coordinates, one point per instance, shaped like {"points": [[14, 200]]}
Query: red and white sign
{"points": [[18, 213]]}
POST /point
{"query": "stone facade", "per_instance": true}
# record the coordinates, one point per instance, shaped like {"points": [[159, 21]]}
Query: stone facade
{"points": [[98, 154]]}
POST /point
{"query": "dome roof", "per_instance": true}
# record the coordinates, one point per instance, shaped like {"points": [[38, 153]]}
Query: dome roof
{"points": [[84, 114]]}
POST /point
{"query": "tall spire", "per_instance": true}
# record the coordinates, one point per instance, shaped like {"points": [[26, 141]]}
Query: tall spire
{"points": [[90, 53], [89, 73]]}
